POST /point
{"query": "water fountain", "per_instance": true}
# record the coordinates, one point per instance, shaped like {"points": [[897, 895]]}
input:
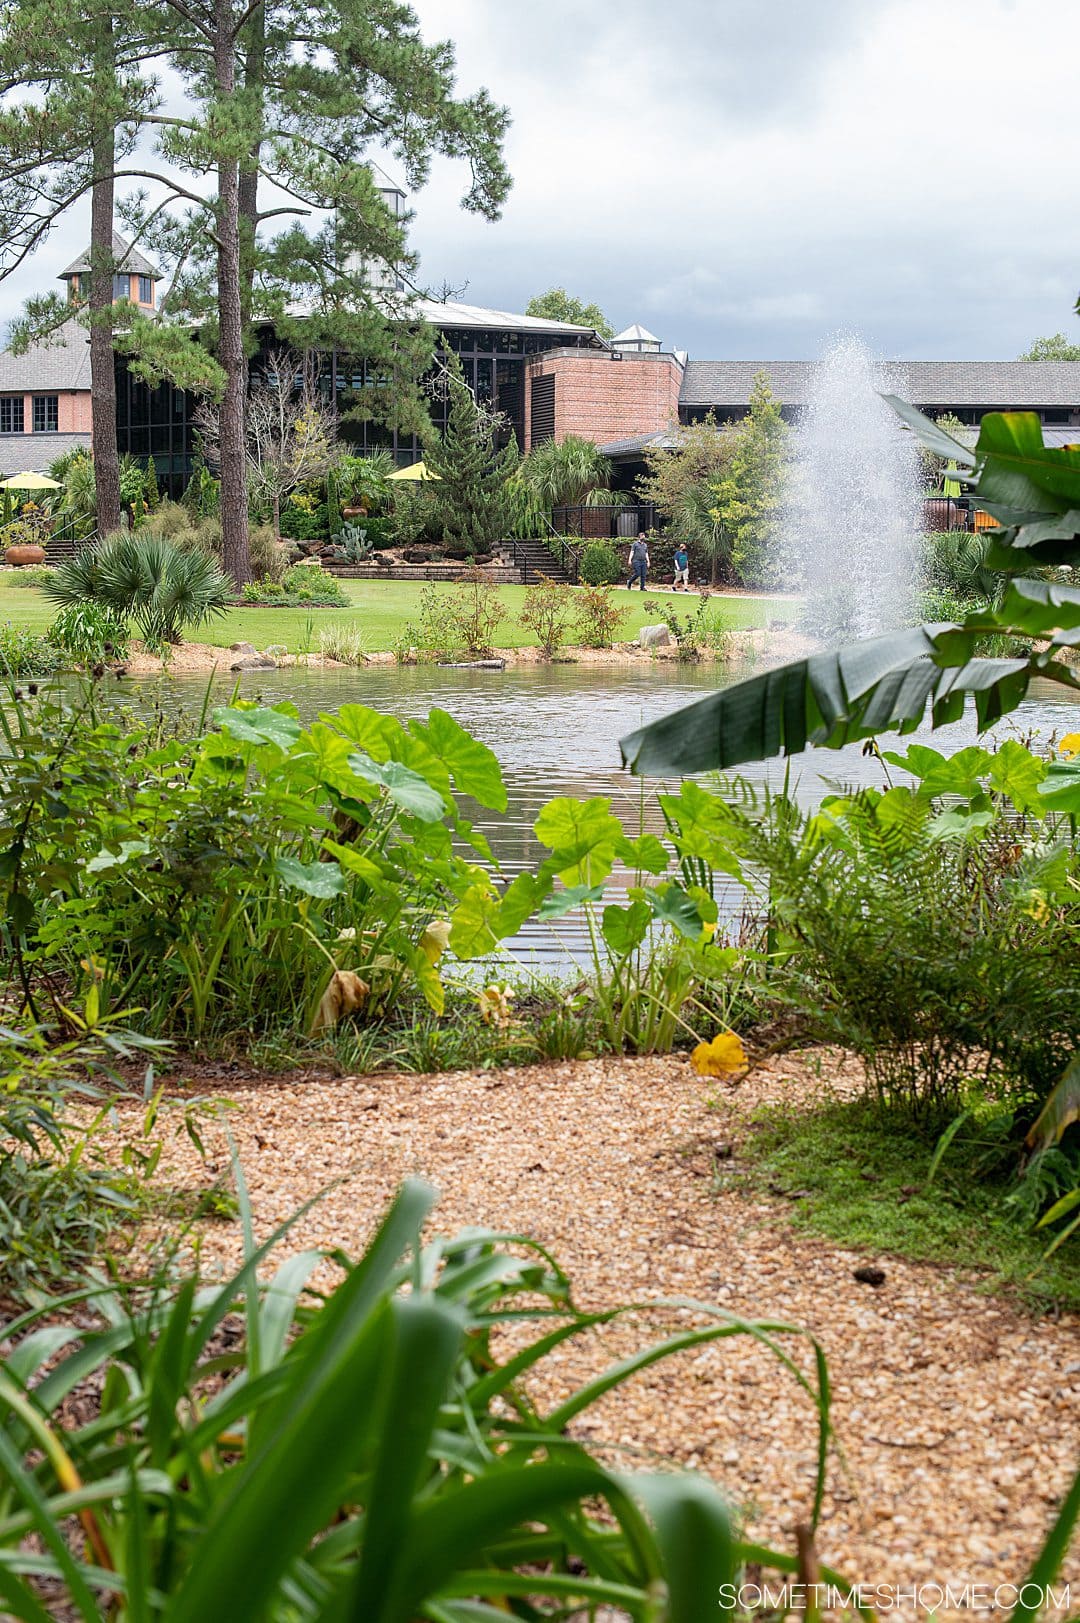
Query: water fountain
{"points": [[852, 514]]}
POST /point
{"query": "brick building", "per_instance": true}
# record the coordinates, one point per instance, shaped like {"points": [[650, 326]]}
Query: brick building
{"points": [[45, 394]]}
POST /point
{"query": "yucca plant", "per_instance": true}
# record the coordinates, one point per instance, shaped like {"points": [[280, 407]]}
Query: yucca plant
{"points": [[146, 580], [368, 1455]]}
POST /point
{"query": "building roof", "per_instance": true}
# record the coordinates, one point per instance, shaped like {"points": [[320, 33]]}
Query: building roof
{"points": [[926, 383], [453, 314], [127, 259], [635, 334], [634, 445], [57, 364], [33, 453]]}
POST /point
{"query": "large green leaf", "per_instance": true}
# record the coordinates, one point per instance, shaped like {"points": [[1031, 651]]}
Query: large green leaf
{"points": [[473, 767], [404, 787], [260, 727], [1011, 444], [582, 835], [322, 880], [931, 434]]}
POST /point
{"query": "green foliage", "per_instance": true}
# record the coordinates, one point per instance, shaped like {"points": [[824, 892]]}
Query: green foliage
{"points": [[1055, 348], [549, 610], [30, 575], [305, 519], [871, 1181], [146, 580], [302, 583], [692, 632], [571, 472], [236, 880], [363, 481], [931, 930], [78, 501], [598, 616], [750, 492], [600, 564], [528, 517], [470, 501], [374, 1453], [25, 654], [559, 305], [410, 515], [89, 632], [682, 482], [202, 497], [59, 1198]]}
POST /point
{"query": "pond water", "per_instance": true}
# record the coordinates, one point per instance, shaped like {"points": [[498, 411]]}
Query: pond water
{"points": [[555, 730]]}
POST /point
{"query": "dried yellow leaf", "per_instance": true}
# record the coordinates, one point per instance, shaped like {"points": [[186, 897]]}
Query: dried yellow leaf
{"points": [[724, 1056], [345, 992]]}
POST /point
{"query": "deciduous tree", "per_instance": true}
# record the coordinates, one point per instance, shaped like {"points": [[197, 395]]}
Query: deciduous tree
{"points": [[559, 305]]}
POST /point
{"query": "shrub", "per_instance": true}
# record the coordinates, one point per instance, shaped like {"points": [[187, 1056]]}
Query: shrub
{"points": [[598, 616], [89, 632], [202, 883], [303, 518], [600, 564], [145, 579], [477, 611], [300, 583], [174, 521], [691, 632], [434, 632], [548, 611], [36, 575], [25, 654], [269, 559]]}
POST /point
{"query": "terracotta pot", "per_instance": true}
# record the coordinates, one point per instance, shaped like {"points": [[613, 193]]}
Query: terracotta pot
{"points": [[28, 553]]}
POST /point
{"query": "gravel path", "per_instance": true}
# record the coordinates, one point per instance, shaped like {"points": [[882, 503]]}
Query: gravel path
{"points": [[956, 1414]]}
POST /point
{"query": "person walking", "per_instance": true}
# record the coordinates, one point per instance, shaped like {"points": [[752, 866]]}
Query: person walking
{"points": [[638, 562], [682, 569]]}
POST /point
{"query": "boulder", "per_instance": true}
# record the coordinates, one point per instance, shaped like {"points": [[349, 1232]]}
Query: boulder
{"points": [[655, 637], [242, 648], [254, 662]]}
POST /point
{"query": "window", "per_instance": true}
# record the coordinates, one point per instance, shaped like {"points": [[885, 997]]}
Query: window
{"points": [[146, 290], [45, 413], [121, 287], [11, 414], [1055, 416]]}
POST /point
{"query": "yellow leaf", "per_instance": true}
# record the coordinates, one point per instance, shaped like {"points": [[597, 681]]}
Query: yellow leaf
{"points": [[1070, 745], [344, 993], [435, 939], [724, 1056], [495, 1005]]}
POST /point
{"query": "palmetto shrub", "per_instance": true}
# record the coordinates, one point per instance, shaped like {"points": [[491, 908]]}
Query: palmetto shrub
{"points": [[147, 581]]}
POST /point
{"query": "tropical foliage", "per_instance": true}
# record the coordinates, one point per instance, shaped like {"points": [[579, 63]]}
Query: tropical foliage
{"points": [[372, 1453], [146, 581], [571, 472]]}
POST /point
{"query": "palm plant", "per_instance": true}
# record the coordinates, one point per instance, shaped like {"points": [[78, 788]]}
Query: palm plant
{"points": [[570, 473], [146, 580]]}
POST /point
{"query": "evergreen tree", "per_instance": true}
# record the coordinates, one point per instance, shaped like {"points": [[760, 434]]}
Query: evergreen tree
{"points": [[749, 495], [559, 305], [75, 95], [472, 500]]}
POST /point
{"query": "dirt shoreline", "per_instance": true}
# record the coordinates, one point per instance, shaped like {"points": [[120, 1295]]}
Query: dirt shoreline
{"points": [[955, 1411], [760, 647]]}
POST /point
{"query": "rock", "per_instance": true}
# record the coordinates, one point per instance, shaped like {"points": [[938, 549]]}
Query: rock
{"points": [[254, 662], [869, 1276], [242, 648], [655, 637]]}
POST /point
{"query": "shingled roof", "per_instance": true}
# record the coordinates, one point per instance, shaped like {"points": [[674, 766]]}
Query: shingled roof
{"points": [[127, 259], [58, 364], [926, 383]]}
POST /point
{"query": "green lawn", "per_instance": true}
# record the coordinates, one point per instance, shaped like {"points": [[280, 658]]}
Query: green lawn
{"points": [[383, 609]]}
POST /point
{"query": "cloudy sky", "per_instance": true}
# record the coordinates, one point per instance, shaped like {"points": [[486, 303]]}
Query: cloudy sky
{"points": [[748, 177]]}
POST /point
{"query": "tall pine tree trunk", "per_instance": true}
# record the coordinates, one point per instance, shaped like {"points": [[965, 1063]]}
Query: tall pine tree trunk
{"points": [[102, 364], [236, 554]]}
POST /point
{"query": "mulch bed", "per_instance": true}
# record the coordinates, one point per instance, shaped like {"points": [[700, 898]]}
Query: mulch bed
{"points": [[956, 1413]]}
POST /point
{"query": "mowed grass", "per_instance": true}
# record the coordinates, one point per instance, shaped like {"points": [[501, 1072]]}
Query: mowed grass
{"points": [[381, 610]]}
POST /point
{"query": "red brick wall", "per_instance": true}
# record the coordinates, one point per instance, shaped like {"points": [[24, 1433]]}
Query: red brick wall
{"points": [[603, 398], [73, 412]]}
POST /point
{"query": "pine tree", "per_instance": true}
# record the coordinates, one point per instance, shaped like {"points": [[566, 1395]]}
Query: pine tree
{"points": [[472, 498], [73, 74]]}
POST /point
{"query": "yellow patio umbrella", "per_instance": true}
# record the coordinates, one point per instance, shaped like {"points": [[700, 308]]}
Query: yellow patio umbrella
{"points": [[30, 481], [951, 487], [415, 470]]}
